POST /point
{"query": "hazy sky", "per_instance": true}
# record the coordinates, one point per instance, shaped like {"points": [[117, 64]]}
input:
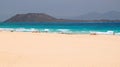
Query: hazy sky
{"points": [[56, 8]]}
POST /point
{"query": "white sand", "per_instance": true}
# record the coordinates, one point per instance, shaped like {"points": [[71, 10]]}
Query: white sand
{"points": [[20, 49]]}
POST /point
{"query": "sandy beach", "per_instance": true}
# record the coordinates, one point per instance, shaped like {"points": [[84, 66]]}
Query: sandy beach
{"points": [[26, 49]]}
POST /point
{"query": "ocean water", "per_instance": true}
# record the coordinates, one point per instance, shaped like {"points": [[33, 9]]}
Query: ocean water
{"points": [[65, 27]]}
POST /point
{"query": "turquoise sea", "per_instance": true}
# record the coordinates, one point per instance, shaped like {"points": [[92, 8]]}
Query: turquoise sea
{"points": [[66, 27]]}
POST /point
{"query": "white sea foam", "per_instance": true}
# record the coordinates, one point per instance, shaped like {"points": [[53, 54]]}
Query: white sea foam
{"points": [[19, 29], [6, 29], [106, 33], [64, 30], [26, 30], [117, 34], [46, 30], [67, 31]]}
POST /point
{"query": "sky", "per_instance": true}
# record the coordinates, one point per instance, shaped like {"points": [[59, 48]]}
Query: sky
{"points": [[56, 8]]}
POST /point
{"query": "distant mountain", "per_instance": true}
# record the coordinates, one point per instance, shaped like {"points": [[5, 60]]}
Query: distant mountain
{"points": [[31, 17], [42, 17], [112, 15]]}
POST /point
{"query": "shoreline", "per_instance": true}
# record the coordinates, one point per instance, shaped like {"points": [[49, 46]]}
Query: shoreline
{"points": [[27, 49], [91, 33]]}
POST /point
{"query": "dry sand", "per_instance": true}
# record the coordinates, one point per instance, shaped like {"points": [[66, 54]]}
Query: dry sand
{"points": [[20, 49]]}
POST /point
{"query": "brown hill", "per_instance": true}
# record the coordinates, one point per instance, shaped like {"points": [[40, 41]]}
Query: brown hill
{"points": [[42, 17], [31, 17]]}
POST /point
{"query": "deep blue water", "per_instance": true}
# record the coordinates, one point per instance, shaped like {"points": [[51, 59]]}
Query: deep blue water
{"points": [[71, 27]]}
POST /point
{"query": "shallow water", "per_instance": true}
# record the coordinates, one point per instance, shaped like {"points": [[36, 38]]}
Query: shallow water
{"points": [[66, 27]]}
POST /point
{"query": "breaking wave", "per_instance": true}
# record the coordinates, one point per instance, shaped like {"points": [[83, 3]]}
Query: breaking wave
{"points": [[106, 33], [19, 29], [59, 31]]}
